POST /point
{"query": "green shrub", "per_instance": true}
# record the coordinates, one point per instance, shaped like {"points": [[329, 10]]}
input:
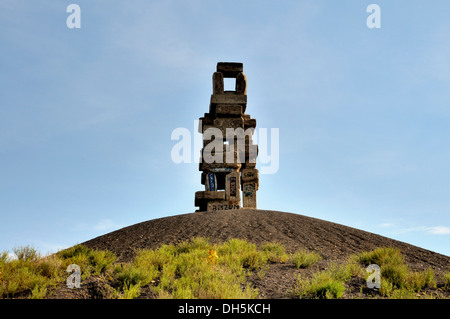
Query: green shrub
{"points": [[129, 274], [345, 271], [238, 254], [396, 279], [26, 253], [276, 252], [38, 292], [322, 285], [382, 256], [196, 243], [416, 281], [4, 257], [447, 280], [187, 272], [403, 293], [304, 259], [29, 273], [77, 250], [386, 288], [91, 262], [391, 262], [395, 273]]}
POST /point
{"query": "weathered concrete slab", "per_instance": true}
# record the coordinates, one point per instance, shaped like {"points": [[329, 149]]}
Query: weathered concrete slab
{"points": [[249, 195], [230, 69], [218, 86], [228, 98], [241, 84], [203, 197], [221, 206], [210, 195], [229, 110], [211, 182], [249, 175], [219, 156], [213, 166], [225, 123], [233, 187], [248, 123]]}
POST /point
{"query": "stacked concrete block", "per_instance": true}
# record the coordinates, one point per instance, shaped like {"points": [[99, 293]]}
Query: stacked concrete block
{"points": [[228, 157], [250, 184]]}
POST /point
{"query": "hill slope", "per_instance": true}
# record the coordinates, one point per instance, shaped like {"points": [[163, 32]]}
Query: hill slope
{"points": [[333, 241]]}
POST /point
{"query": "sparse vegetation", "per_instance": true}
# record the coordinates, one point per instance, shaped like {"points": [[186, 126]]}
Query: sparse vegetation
{"points": [[92, 262], [447, 280], [199, 269], [304, 259], [187, 271], [321, 285], [329, 283], [397, 281], [276, 252], [27, 272]]}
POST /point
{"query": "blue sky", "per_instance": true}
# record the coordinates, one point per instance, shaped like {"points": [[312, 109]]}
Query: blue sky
{"points": [[86, 115]]}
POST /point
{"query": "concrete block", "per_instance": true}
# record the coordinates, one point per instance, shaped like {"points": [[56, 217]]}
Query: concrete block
{"points": [[210, 195], [249, 123], [203, 166], [217, 80], [241, 84], [249, 195], [232, 187], [203, 197], [249, 175], [228, 110], [228, 98], [207, 120], [228, 122], [221, 206], [222, 170], [211, 182], [230, 69], [248, 164], [211, 155]]}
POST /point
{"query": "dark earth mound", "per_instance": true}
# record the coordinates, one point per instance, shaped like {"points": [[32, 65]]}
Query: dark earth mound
{"points": [[333, 241]]}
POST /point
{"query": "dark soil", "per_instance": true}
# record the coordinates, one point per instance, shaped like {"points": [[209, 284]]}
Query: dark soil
{"points": [[332, 241]]}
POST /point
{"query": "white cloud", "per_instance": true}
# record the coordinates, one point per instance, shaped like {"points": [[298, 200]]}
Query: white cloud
{"points": [[434, 230], [438, 230]]}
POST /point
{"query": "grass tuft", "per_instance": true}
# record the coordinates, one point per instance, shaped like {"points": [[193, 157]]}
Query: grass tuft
{"points": [[276, 252], [304, 259], [322, 285], [397, 281]]}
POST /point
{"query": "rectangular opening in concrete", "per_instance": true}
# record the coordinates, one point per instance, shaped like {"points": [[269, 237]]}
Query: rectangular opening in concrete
{"points": [[229, 84]]}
